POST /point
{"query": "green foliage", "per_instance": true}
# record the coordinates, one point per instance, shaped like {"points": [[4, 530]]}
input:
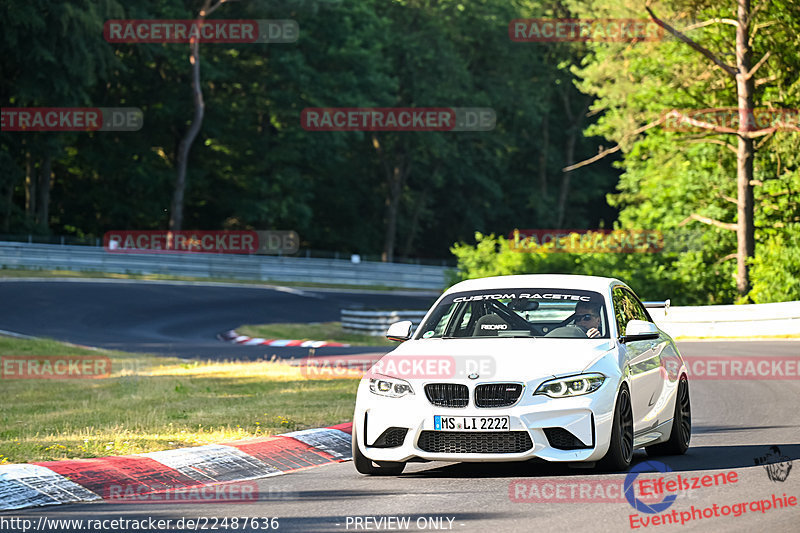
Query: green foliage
{"points": [[776, 268], [253, 166], [654, 276]]}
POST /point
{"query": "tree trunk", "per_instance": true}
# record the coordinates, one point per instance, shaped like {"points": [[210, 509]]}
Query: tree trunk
{"points": [[745, 231], [396, 179], [543, 157], [412, 226], [569, 158], [30, 188], [43, 201], [396, 169], [574, 121], [9, 196], [176, 215]]}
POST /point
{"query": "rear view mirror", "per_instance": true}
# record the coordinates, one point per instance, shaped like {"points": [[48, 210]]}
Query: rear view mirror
{"points": [[399, 331]]}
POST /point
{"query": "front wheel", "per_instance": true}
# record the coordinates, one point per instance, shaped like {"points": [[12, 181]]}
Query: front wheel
{"points": [[681, 432], [620, 449], [365, 465]]}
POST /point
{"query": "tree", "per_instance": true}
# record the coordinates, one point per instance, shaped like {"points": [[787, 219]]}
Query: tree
{"points": [[176, 217], [652, 78], [742, 74], [53, 55]]}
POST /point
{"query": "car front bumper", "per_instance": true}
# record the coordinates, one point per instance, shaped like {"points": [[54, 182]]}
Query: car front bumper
{"points": [[588, 417]]}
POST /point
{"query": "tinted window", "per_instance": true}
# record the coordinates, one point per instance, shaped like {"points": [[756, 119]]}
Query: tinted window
{"points": [[555, 313], [620, 305], [626, 308]]}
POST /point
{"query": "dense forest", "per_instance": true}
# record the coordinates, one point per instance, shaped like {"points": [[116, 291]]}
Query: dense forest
{"points": [[579, 142]]}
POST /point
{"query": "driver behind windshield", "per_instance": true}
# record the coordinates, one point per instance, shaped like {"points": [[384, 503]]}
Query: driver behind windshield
{"points": [[587, 317]]}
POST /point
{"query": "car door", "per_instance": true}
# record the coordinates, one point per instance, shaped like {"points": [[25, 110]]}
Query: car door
{"points": [[639, 356], [647, 378]]}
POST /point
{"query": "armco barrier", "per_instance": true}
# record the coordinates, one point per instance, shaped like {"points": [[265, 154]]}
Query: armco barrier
{"points": [[730, 320], [376, 322], [725, 321], [255, 267]]}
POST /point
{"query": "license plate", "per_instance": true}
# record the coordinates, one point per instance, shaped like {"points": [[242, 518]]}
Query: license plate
{"points": [[471, 423]]}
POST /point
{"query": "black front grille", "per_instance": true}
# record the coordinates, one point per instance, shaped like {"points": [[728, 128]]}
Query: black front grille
{"points": [[447, 394], [562, 439], [391, 438], [468, 442], [497, 394]]}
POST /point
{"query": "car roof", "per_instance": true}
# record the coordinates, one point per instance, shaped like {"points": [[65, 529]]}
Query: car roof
{"points": [[537, 281]]}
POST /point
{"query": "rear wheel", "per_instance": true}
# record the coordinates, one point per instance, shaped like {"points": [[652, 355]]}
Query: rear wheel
{"points": [[620, 449], [364, 465], [681, 432]]}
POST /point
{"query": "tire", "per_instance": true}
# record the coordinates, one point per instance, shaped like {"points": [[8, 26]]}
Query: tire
{"points": [[681, 432], [620, 449], [369, 467]]}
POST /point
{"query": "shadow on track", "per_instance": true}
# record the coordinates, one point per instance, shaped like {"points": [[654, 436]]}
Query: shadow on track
{"points": [[697, 458]]}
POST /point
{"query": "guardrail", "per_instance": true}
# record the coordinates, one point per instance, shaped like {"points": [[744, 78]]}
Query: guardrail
{"points": [[752, 320], [376, 322], [225, 266], [724, 321]]}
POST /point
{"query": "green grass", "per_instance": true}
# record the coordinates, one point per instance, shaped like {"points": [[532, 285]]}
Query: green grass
{"points": [[35, 273], [154, 403], [321, 331], [743, 337]]}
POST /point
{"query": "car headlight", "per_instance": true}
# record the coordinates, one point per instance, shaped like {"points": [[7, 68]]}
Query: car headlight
{"points": [[391, 387], [571, 386]]}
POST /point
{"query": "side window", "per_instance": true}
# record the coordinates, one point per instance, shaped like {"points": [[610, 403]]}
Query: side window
{"points": [[638, 312], [465, 319], [619, 301], [442, 323]]}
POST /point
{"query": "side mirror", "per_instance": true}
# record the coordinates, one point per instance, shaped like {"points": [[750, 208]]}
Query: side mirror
{"points": [[399, 331], [639, 330]]}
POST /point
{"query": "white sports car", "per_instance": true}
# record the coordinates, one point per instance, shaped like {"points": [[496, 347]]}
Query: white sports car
{"points": [[557, 367]]}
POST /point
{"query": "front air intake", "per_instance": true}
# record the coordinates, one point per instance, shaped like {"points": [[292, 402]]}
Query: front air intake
{"points": [[447, 394]]}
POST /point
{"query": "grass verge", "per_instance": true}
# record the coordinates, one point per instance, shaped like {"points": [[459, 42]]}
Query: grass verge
{"points": [[321, 331], [742, 338], [152, 403]]}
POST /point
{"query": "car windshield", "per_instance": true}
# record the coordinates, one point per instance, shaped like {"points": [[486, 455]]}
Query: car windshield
{"points": [[551, 313]]}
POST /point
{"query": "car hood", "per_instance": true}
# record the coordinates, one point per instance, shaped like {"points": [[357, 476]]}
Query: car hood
{"points": [[491, 358]]}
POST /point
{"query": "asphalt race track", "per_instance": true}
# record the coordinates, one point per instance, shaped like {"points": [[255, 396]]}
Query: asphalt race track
{"points": [[735, 424], [174, 318]]}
